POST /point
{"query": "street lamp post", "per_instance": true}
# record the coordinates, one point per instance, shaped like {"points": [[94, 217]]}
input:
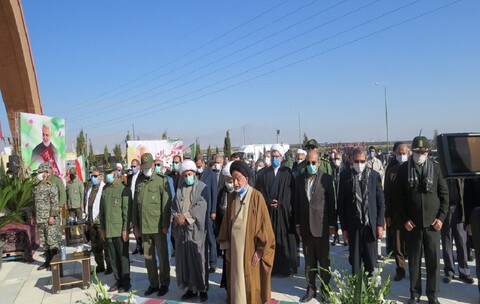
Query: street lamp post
{"points": [[386, 111]]}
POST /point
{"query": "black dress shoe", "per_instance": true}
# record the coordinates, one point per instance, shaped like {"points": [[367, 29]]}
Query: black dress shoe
{"points": [[188, 295], [212, 270], [470, 258], [115, 287], [150, 290], [447, 278], [203, 296], [433, 301], [108, 271], [124, 288], [413, 301], [466, 278], [308, 296], [163, 290], [136, 251], [399, 276]]}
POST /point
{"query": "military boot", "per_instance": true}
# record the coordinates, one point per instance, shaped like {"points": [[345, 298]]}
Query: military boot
{"points": [[48, 258]]}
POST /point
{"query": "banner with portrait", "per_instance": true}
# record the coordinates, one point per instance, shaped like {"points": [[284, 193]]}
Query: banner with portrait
{"points": [[42, 139], [164, 150]]}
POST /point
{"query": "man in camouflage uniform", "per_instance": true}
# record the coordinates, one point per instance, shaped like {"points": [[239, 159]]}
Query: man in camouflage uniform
{"points": [[92, 202], [75, 195], [46, 210], [114, 219]]}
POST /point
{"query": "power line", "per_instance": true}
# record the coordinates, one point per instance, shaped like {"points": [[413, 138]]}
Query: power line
{"points": [[109, 122], [260, 52], [82, 104], [117, 103], [122, 101]]}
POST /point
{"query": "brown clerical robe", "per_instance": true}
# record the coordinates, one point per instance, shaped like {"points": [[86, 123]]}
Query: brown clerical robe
{"points": [[259, 237]]}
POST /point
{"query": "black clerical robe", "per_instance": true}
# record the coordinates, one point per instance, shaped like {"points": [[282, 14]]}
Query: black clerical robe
{"points": [[280, 186]]}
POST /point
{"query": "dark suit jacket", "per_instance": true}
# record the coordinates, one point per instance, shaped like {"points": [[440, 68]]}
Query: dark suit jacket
{"points": [[376, 202], [209, 178], [417, 204], [316, 215]]}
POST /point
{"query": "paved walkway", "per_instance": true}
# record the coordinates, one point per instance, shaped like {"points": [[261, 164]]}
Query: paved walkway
{"points": [[21, 283]]}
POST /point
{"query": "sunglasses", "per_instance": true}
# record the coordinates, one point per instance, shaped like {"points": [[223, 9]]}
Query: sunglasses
{"points": [[311, 163], [359, 161]]}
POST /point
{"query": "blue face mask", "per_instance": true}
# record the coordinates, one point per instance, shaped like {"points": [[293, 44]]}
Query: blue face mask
{"points": [[176, 166], [240, 191], [189, 180], [275, 163], [312, 169], [110, 178], [119, 173], [134, 170], [95, 181], [158, 169]]}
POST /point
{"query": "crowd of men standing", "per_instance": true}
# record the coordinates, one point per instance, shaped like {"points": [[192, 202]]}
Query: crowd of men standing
{"points": [[258, 215]]}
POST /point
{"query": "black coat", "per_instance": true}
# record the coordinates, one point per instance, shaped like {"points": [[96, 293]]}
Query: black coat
{"points": [[376, 203]]}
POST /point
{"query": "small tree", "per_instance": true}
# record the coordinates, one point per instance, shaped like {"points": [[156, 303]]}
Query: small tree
{"points": [[81, 147], [164, 135], [209, 153], [106, 154], [128, 137], [117, 151], [433, 143], [91, 155], [198, 149], [227, 146], [217, 152]]}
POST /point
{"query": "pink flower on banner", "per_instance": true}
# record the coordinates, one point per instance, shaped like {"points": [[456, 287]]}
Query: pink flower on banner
{"points": [[30, 121], [59, 133], [26, 145]]}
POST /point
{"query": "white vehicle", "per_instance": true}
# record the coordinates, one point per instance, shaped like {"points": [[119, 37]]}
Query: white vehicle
{"points": [[254, 151]]}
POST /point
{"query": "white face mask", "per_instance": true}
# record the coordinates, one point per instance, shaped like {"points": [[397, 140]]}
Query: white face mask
{"points": [[230, 187], [40, 176], [419, 159], [338, 162], [268, 161], [200, 170], [218, 166], [148, 173], [402, 158], [359, 167]]}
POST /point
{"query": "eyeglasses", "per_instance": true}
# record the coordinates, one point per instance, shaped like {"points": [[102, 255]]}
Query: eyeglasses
{"points": [[311, 163], [133, 166], [359, 161]]}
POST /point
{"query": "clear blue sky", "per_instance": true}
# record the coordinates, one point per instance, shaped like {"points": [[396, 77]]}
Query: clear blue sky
{"points": [[198, 68]]}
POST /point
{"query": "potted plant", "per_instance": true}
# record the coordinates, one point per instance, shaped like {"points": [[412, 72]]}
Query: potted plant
{"points": [[15, 197]]}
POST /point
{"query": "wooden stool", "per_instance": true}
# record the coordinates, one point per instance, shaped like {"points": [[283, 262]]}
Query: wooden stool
{"points": [[57, 271]]}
